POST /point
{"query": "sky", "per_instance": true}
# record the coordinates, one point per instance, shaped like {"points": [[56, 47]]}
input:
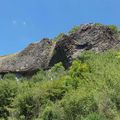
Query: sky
{"points": [[26, 21]]}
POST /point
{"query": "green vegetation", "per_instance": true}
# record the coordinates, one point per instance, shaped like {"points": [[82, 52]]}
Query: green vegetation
{"points": [[98, 24], [89, 90], [115, 29], [74, 29], [58, 37]]}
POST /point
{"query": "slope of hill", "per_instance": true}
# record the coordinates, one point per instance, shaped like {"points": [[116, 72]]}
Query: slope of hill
{"points": [[89, 89], [45, 54]]}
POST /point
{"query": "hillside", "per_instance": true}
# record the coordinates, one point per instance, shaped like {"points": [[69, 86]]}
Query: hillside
{"points": [[75, 76], [45, 53]]}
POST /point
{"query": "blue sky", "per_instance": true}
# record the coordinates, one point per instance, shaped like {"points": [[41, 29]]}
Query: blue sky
{"points": [[26, 21]]}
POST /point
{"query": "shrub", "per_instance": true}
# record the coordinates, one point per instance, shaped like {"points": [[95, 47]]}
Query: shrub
{"points": [[76, 73], [8, 91], [55, 90], [105, 106], [77, 69], [28, 105], [78, 104], [74, 29], [94, 116], [53, 112], [9, 76], [98, 24], [39, 76], [115, 29], [56, 72], [32, 99], [58, 37]]}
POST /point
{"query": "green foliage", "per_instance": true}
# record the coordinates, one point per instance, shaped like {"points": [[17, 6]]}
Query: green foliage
{"points": [[98, 24], [9, 76], [88, 90], [74, 29], [94, 116], [76, 73], [55, 90], [58, 37], [77, 69], [115, 29], [29, 100], [28, 106], [52, 112], [56, 72], [39, 76], [32, 99], [8, 91], [78, 104]]}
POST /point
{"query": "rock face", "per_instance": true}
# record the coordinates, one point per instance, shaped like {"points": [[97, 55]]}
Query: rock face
{"points": [[35, 56], [45, 54], [88, 37]]}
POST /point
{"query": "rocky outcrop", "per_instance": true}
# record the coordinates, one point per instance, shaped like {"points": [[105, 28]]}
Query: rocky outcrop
{"points": [[94, 37], [44, 54], [35, 56]]}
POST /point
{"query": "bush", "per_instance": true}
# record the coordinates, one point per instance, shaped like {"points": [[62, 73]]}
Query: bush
{"points": [[53, 112], [56, 72], [8, 91], [98, 24], [28, 105], [55, 90], [78, 104], [94, 116], [39, 76], [115, 29], [58, 37], [33, 97], [76, 73], [9, 76], [74, 29], [77, 69]]}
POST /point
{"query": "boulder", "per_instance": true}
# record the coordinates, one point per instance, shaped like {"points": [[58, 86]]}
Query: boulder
{"points": [[35, 56]]}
